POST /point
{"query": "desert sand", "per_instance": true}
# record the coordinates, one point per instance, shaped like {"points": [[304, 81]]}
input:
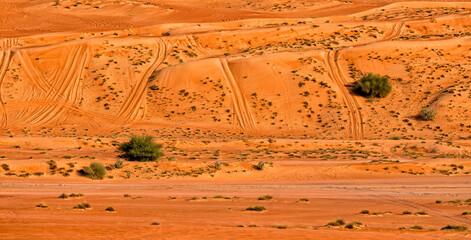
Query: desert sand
{"points": [[225, 85]]}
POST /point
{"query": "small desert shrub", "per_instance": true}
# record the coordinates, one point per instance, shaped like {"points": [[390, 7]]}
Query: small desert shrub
{"points": [[438, 201], [256, 208], [41, 205], [416, 227], [76, 195], [83, 205], [455, 228], [155, 223], [406, 212], [218, 165], [337, 223], [118, 164], [126, 195], [95, 171], [421, 213], [280, 226], [260, 165], [63, 195], [141, 149], [265, 197], [110, 209], [365, 212], [373, 85], [304, 200], [6, 167], [427, 114], [354, 225]]}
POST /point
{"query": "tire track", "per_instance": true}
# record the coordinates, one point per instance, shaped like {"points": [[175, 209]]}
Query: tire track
{"points": [[421, 207], [5, 61], [336, 74], [241, 107], [63, 91], [131, 107]]}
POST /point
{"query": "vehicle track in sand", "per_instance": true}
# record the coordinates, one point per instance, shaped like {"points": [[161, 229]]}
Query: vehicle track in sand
{"points": [[134, 106], [62, 89], [5, 61], [239, 103], [331, 59], [420, 207]]}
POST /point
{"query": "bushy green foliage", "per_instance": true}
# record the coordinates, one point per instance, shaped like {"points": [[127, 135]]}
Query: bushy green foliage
{"points": [[427, 114], [141, 149], [373, 85], [95, 171]]}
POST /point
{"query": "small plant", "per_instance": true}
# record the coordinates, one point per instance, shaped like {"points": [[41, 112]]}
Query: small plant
{"points": [[365, 212], [218, 165], [407, 212], [110, 209], [337, 223], [354, 225], [373, 85], [6, 167], [63, 195], [141, 149], [126, 195], [265, 197], [95, 171], [155, 223], [421, 213], [466, 213], [416, 227], [438, 201], [73, 195], [304, 200], [458, 228], [256, 208], [260, 165], [427, 114], [41, 205], [280, 226], [118, 164], [83, 205]]}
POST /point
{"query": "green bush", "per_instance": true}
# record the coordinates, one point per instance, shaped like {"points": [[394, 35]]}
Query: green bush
{"points": [[427, 114], [95, 171], [373, 85], [336, 223], [256, 208], [265, 197], [83, 205], [141, 149], [455, 228]]}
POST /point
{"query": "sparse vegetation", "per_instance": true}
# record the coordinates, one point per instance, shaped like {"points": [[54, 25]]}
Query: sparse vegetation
{"points": [[83, 205], [427, 114], [458, 228], [141, 149], [373, 85], [265, 197], [256, 208], [41, 205], [337, 223], [95, 171]]}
